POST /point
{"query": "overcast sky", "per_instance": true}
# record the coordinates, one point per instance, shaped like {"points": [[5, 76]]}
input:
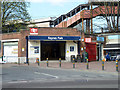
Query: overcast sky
{"points": [[51, 8]]}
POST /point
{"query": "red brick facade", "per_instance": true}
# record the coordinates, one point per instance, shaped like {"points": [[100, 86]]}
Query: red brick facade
{"points": [[41, 32]]}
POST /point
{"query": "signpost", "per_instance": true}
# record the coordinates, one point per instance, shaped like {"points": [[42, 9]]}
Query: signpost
{"points": [[100, 39], [54, 38], [88, 39], [33, 30]]}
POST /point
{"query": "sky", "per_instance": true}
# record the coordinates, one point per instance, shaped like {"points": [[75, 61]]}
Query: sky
{"points": [[55, 8], [52, 8]]}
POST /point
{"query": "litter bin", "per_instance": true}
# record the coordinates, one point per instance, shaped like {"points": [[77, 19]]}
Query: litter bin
{"points": [[78, 58], [72, 56]]}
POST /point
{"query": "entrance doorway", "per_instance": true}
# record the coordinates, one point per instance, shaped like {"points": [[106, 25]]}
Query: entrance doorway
{"points": [[10, 52], [99, 52], [53, 50], [91, 50]]}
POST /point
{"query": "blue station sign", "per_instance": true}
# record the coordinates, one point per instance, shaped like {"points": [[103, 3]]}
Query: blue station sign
{"points": [[100, 39], [54, 38]]}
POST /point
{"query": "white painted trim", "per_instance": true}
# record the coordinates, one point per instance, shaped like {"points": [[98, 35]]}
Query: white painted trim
{"points": [[110, 48], [8, 40], [113, 43], [33, 33]]}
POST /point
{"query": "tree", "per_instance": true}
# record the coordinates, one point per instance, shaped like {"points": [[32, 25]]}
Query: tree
{"points": [[107, 11], [110, 11], [14, 15]]}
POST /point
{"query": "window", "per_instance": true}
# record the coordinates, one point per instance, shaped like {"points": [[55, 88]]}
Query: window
{"points": [[71, 48], [34, 49]]}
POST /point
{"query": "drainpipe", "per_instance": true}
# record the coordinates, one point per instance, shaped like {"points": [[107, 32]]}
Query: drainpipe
{"points": [[78, 47], [26, 49]]}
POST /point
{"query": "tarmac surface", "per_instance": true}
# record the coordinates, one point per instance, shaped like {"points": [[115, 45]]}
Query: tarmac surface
{"points": [[34, 76]]}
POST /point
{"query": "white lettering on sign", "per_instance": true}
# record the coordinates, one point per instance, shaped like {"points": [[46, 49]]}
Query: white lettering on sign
{"points": [[55, 38], [33, 30], [87, 39], [51, 38], [60, 38]]}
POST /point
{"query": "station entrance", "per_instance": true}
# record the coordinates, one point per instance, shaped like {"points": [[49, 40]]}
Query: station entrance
{"points": [[53, 50]]}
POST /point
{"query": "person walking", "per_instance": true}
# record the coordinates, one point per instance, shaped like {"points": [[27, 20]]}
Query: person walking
{"points": [[107, 57]]}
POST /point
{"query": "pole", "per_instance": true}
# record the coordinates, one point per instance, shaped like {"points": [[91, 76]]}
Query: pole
{"points": [[91, 11], [47, 62], [18, 61], [73, 63], [82, 24], [59, 62], [117, 65]]}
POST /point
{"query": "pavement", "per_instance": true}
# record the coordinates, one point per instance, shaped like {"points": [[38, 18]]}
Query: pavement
{"points": [[109, 66], [33, 76]]}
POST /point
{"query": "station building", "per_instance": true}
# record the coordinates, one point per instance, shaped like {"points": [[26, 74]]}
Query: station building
{"points": [[42, 43], [51, 43], [112, 45]]}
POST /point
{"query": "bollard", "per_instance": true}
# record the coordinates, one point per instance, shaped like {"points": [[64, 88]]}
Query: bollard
{"points": [[117, 65], [28, 62], [102, 64], [73, 63], [47, 62], [2, 58], [38, 61], [18, 61], [59, 62], [87, 64]]}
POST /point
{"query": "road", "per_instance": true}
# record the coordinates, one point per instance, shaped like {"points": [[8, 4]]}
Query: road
{"points": [[38, 77]]}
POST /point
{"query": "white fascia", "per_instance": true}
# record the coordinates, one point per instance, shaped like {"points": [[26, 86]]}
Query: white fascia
{"points": [[9, 40], [110, 48]]}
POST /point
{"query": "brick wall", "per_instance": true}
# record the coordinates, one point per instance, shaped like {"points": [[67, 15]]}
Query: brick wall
{"points": [[11, 36], [41, 32]]}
